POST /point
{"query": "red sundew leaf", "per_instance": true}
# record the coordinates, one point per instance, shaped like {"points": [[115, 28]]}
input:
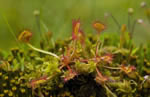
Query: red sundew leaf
{"points": [[127, 69], [65, 62], [107, 58], [100, 78], [66, 59], [77, 33], [70, 76], [25, 36], [99, 27], [76, 28], [123, 28], [84, 60], [35, 82], [99, 73]]}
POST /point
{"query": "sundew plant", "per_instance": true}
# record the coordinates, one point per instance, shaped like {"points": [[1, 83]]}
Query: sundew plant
{"points": [[97, 64]]}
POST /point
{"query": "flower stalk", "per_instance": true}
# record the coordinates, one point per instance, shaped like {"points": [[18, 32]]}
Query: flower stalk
{"points": [[42, 51]]}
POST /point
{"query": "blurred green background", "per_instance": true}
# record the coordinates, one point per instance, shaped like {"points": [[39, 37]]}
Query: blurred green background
{"points": [[57, 15]]}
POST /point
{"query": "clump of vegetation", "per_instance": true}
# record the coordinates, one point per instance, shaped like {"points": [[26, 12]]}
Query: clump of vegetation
{"points": [[92, 65]]}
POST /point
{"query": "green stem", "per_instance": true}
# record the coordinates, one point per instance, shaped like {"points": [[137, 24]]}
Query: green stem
{"points": [[116, 22], [133, 28], [39, 28], [113, 68], [129, 22], [42, 51], [46, 29]]}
